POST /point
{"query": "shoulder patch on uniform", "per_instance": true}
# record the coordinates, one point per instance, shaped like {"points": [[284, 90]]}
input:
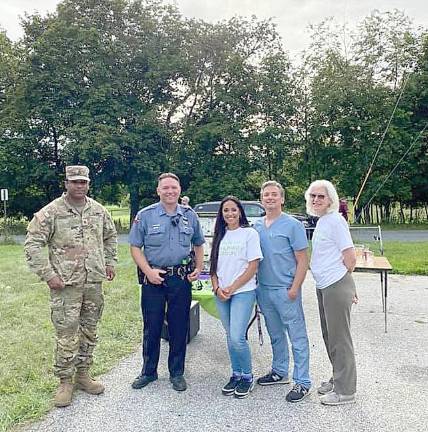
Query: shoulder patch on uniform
{"points": [[190, 210], [149, 207], [41, 215]]}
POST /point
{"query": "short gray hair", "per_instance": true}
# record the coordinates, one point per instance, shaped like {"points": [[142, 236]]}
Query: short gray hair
{"points": [[272, 183], [331, 193]]}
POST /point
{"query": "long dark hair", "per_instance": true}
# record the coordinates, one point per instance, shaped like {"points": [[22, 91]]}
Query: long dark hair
{"points": [[220, 230]]}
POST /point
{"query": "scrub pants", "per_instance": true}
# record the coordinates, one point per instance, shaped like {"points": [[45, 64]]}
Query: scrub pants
{"points": [[285, 319]]}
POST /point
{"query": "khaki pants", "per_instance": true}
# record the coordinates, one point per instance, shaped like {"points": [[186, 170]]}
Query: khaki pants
{"points": [[334, 303], [75, 312]]}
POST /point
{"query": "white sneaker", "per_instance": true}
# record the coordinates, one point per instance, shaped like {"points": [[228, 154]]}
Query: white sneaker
{"points": [[325, 387], [337, 399]]}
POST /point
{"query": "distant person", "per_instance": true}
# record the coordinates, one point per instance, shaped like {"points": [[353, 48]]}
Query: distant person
{"points": [[161, 241], [235, 255], [185, 200], [333, 260], [279, 295], [343, 208], [82, 244]]}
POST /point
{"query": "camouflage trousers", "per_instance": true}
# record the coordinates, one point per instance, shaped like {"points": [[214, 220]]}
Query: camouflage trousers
{"points": [[75, 312]]}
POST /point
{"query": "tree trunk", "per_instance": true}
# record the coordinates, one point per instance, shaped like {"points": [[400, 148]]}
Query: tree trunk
{"points": [[388, 212], [367, 215], [402, 217], [134, 201]]}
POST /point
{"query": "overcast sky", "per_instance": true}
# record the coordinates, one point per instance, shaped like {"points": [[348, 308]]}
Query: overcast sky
{"points": [[291, 16]]}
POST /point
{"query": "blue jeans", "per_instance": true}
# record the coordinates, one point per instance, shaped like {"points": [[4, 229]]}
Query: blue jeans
{"points": [[285, 317], [235, 315]]}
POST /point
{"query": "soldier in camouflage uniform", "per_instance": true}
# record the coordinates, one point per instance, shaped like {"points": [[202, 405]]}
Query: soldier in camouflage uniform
{"points": [[82, 245]]}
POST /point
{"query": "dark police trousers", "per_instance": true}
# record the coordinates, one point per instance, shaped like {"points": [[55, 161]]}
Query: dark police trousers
{"points": [[177, 294]]}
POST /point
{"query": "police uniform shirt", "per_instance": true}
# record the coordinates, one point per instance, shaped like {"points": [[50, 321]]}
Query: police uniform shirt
{"points": [[166, 239]]}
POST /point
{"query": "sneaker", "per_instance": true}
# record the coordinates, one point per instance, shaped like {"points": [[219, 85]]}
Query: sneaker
{"points": [[272, 378], [243, 388], [230, 387], [337, 399], [297, 393], [325, 387]]}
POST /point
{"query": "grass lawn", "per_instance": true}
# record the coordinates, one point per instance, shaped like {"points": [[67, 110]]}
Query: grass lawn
{"points": [[406, 258], [26, 334], [27, 340], [119, 214]]}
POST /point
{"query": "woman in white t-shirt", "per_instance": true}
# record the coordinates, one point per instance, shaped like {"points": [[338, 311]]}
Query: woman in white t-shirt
{"points": [[235, 255], [332, 262]]}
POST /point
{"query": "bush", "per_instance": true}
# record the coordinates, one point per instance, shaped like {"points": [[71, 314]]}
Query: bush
{"points": [[13, 226], [121, 227]]}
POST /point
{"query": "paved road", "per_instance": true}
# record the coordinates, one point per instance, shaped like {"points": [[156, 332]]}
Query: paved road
{"points": [[364, 234], [392, 379], [360, 235]]}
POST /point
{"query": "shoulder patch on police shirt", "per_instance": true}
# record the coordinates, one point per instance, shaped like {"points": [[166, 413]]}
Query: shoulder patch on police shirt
{"points": [[150, 207], [137, 218]]}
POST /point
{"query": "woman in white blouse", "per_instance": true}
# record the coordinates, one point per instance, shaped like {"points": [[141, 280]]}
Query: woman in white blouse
{"points": [[332, 262]]}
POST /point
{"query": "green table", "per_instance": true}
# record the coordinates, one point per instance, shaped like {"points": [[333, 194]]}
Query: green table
{"points": [[202, 293]]}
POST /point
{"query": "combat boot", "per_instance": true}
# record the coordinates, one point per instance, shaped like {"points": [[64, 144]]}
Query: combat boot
{"points": [[87, 384], [64, 393]]}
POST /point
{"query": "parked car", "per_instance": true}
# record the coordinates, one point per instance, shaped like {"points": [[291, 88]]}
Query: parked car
{"points": [[253, 209], [207, 213]]}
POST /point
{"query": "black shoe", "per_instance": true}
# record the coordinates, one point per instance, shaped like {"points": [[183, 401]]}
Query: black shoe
{"points": [[297, 393], [272, 378], [230, 387], [244, 388], [178, 383], [142, 380]]}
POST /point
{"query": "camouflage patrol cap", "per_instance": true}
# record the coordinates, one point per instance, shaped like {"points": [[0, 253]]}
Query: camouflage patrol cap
{"points": [[77, 172]]}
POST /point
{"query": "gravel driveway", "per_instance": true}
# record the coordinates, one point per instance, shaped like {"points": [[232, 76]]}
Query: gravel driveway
{"points": [[392, 378]]}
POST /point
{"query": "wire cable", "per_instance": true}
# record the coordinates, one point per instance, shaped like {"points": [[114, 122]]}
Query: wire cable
{"points": [[395, 167], [381, 142]]}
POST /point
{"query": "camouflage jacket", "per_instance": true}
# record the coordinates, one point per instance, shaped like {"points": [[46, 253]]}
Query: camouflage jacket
{"points": [[80, 245]]}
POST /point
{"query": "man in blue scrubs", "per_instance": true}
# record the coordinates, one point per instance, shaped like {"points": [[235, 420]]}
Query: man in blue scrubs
{"points": [[280, 277], [167, 232]]}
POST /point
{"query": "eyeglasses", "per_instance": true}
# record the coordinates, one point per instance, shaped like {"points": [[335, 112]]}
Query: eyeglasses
{"points": [[315, 196]]}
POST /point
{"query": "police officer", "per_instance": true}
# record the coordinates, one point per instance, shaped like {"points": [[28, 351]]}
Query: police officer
{"points": [[82, 244], [185, 201], [166, 231]]}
